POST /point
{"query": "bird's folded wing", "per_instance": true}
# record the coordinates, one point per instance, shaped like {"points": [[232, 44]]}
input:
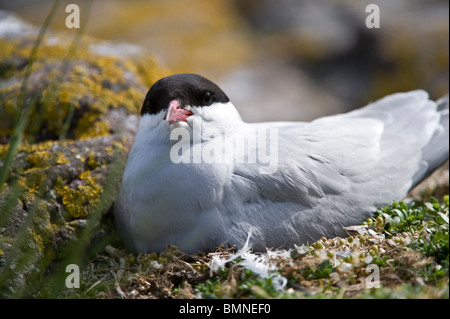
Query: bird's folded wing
{"points": [[340, 164]]}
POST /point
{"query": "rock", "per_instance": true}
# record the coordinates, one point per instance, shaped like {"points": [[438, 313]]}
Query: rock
{"points": [[277, 92], [330, 41], [69, 164]]}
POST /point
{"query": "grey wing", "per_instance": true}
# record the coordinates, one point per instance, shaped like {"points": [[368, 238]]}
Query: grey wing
{"points": [[414, 117], [337, 170]]}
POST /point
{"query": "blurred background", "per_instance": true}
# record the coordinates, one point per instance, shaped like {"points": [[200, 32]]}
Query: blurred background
{"points": [[279, 60]]}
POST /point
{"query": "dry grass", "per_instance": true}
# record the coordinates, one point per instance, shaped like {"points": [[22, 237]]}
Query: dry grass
{"points": [[329, 268]]}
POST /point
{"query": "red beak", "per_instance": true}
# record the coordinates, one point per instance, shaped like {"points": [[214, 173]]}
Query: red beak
{"points": [[176, 114]]}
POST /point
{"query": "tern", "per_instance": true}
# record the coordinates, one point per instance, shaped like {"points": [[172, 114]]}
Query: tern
{"points": [[198, 176]]}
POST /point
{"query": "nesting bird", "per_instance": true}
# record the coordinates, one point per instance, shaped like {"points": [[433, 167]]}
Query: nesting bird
{"points": [[198, 176]]}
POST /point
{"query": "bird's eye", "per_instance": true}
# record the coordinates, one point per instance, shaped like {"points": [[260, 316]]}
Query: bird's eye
{"points": [[208, 98]]}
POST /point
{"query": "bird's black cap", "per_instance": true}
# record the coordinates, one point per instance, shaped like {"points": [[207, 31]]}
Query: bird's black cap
{"points": [[187, 89]]}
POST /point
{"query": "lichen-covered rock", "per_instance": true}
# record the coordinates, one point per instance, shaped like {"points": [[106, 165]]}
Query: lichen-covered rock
{"points": [[74, 91], [85, 116]]}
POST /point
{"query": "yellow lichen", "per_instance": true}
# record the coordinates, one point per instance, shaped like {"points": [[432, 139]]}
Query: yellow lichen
{"points": [[45, 158], [118, 146], [61, 159], [79, 202], [4, 149], [78, 101], [109, 150], [40, 159], [6, 48], [42, 146], [109, 65], [89, 126], [77, 155], [38, 240], [33, 179], [92, 162], [130, 99], [93, 84]]}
